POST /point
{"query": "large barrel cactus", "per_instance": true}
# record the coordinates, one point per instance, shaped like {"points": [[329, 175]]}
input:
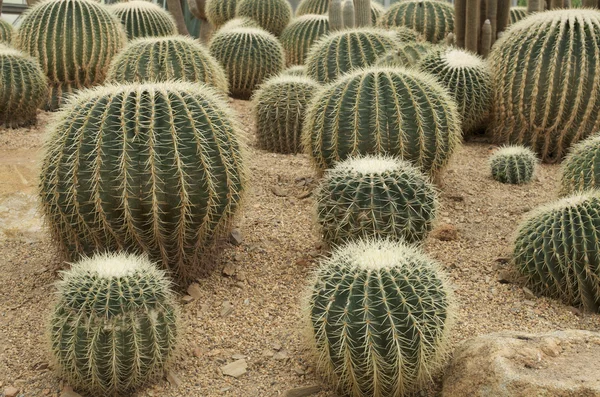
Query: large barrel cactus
{"points": [[249, 56], [380, 315], [73, 55], [6, 32], [167, 58], [556, 249], [546, 81], [392, 111], [581, 168], [155, 168], [114, 325], [513, 164], [299, 36], [220, 11], [272, 15], [143, 19], [407, 54], [517, 13]]}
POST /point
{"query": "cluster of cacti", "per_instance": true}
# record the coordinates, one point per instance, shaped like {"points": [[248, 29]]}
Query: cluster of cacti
{"points": [[547, 96], [341, 52], [407, 54], [73, 55], [479, 23], [279, 108], [581, 168], [380, 110], [517, 13], [242, 22], [557, 247], [114, 325], [375, 196], [6, 32], [249, 57], [299, 36], [379, 315], [320, 7], [406, 35], [167, 58], [155, 168], [220, 11], [23, 88], [143, 19], [513, 164], [272, 15]]}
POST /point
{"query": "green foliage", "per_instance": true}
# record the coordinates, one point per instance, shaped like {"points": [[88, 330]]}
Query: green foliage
{"points": [[517, 13], [272, 15], [143, 19], [220, 11], [513, 164], [581, 168], [6, 32], [407, 54], [299, 36]]}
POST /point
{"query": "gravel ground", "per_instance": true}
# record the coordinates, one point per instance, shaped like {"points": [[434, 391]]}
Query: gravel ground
{"points": [[262, 278]]}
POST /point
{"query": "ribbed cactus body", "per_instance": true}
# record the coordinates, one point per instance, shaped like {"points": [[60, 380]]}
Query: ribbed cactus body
{"points": [[581, 168], [546, 81], [297, 70], [114, 325], [341, 52], [6, 32], [557, 247], [375, 196], [407, 54], [155, 168], [235, 23], [406, 35], [317, 7], [272, 15], [434, 19], [392, 111], [363, 13], [517, 13], [167, 58], [299, 36], [513, 164], [377, 11], [144, 19], [248, 56], [380, 314], [73, 55], [220, 11], [348, 15]]}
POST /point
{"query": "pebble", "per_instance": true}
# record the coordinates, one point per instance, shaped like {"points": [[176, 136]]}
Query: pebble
{"points": [[302, 391], [194, 290], [235, 369], [174, 379], [235, 237], [528, 293], [226, 309], [10, 391], [229, 270], [279, 192]]}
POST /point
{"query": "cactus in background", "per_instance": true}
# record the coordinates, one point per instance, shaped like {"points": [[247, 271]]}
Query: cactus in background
{"points": [[529, 111], [318, 7], [279, 108], [406, 35], [243, 22], [408, 54], [114, 325], [513, 164], [272, 15], [348, 14], [6, 32], [517, 13], [300, 34], [379, 315], [167, 58], [434, 19], [472, 27], [363, 13], [377, 11], [460, 13], [220, 11], [536, 5], [581, 168], [556, 249], [336, 18], [472, 33], [23, 88], [249, 56], [155, 168], [143, 18], [69, 54], [340, 52], [486, 38], [394, 111], [298, 70]]}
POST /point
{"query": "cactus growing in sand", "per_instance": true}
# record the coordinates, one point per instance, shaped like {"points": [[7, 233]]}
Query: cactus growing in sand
{"points": [[513, 164], [434, 19], [581, 168], [272, 15], [220, 11], [6, 32], [299, 36], [143, 19]]}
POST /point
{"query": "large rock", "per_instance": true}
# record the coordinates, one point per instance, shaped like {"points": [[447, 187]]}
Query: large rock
{"points": [[512, 364]]}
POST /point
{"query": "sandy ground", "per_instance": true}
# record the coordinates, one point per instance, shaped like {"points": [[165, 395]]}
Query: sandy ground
{"points": [[266, 274]]}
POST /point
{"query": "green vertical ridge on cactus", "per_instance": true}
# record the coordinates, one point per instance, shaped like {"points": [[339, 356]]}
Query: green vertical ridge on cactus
{"points": [[517, 13], [299, 36], [272, 15], [581, 168], [143, 19], [513, 164], [220, 11], [407, 54], [6, 32]]}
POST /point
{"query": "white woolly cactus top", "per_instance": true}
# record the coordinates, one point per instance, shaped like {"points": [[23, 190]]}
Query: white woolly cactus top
{"points": [[514, 150], [285, 79], [135, 4], [459, 59], [156, 39], [377, 164], [115, 265]]}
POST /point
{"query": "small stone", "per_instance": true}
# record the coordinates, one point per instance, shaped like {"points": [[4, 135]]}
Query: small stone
{"points": [[267, 353], [174, 379], [10, 391], [235, 237], [277, 346], [225, 389], [198, 352], [226, 309], [445, 232], [574, 310], [240, 276], [504, 277], [235, 369], [305, 194], [229, 270], [281, 355], [238, 356], [194, 290], [279, 192], [302, 391], [299, 371], [301, 262], [69, 393], [529, 303], [528, 293], [246, 301], [239, 285], [187, 299]]}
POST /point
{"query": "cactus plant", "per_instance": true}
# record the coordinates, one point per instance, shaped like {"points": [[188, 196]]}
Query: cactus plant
{"points": [[220, 11], [392, 111], [243, 22], [318, 7], [143, 19], [434, 19], [279, 108], [298, 70], [408, 54], [348, 14], [115, 323], [23, 88], [513, 164], [299, 36], [527, 109], [272, 15], [517, 13], [556, 249], [167, 58], [363, 13], [377, 11], [6, 32], [249, 56], [379, 316], [406, 35], [340, 52], [581, 168], [375, 196], [155, 168], [335, 15]]}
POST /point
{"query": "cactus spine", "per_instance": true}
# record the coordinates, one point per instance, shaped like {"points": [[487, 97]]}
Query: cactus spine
{"points": [[513, 164], [299, 36], [363, 13], [272, 15], [6, 32], [581, 168], [243, 22], [220, 11], [408, 54], [336, 18], [517, 13], [142, 19], [348, 14]]}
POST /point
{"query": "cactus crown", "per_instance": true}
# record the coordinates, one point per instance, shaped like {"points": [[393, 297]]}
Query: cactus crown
{"points": [[298, 37], [6, 32], [513, 164], [272, 15], [143, 18], [581, 167]]}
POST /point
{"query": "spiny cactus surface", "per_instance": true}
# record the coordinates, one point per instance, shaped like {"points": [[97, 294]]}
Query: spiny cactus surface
{"points": [[6, 32], [272, 15], [144, 19], [517, 13], [297, 70], [242, 22], [434, 19], [320, 7], [220, 11], [406, 35], [299, 36], [513, 164], [407, 54], [581, 168]]}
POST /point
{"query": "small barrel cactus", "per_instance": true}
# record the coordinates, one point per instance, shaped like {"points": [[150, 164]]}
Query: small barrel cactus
{"points": [[299, 36], [114, 325], [517, 13], [407, 54], [392, 111], [220, 11], [6, 32], [155, 168], [343, 51], [239, 23], [556, 249], [144, 19], [406, 35], [167, 58], [249, 56], [375, 196], [513, 164], [272, 15], [380, 315], [279, 107], [297, 70], [581, 168], [434, 19]]}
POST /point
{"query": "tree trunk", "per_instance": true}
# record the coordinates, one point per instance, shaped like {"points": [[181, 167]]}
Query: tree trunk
{"points": [[174, 7]]}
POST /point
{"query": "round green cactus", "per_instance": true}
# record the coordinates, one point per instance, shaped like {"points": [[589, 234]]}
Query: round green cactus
{"points": [[167, 58], [343, 51], [556, 249], [434, 19], [73, 55], [143, 19], [380, 315], [407, 54], [6, 32], [155, 168], [546, 85], [581, 168], [406, 35], [375, 196], [239, 23], [114, 325], [249, 56], [279, 108], [272, 15], [517, 13], [297, 70], [299, 36], [220, 11], [513, 164], [394, 111]]}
